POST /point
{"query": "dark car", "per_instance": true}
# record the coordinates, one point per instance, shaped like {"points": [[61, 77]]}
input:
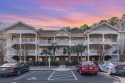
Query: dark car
{"points": [[13, 68], [87, 67]]}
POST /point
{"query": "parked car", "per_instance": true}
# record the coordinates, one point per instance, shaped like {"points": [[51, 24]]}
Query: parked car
{"points": [[112, 67], [13, 68], [87, 67]]}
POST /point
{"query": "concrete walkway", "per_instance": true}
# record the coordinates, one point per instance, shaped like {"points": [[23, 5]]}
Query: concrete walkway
{"points": [[62, 68]]}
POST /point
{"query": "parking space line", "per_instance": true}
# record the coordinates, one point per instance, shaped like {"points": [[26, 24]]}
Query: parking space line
{"points": [[63, 77], [104, 74], [74, 75], [51, 75], [24, 75]]}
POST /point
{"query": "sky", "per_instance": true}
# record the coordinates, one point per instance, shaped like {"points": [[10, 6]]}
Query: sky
{"points": [[55, 14]]}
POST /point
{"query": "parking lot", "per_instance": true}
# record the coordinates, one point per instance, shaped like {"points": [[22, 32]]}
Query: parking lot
{"points": [[51, 76]]}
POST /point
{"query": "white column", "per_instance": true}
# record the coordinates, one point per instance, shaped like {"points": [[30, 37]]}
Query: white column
{"points": [[70, 40], [20, 41], [36, 48], [88, 46], [54, 39], [103, 42]]}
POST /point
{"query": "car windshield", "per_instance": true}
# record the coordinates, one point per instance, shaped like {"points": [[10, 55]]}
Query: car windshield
{"points": [[88, 63], [9, 64]]}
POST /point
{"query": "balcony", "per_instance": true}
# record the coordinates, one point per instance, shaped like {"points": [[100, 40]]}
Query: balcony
{"points": [[32, 52], [93, 52], [62, 42], [28, 40], [75, 42], [45, 42], [96, 40], [110, 41]]}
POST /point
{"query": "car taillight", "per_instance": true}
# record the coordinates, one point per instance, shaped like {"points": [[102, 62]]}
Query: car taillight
{"points": [[11, 68], [117, 67]]}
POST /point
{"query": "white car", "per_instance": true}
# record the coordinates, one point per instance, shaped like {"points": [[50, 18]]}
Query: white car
{"points": [[112, 67]]}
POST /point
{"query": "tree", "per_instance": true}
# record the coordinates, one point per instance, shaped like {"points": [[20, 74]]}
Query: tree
{"points": [[84, 27], [53, 47], [82, 49], [113, 21], [2, 50], [102, 21], [68, 50], [46, 52], [76, 49]]}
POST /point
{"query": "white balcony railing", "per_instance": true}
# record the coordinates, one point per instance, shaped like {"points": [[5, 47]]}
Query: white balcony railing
{"points": [[16, 40], [62, 42], [28, 40], [77, 42], [31, 52], [45, 42], [110, 40], [95, 40]]}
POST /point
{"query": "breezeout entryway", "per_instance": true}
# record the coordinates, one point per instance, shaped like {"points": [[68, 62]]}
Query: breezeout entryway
{"points": [[62, 73]]}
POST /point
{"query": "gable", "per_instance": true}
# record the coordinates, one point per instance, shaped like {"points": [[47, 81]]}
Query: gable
{"points": [[62, 33], [19, 26], [104, 27]]}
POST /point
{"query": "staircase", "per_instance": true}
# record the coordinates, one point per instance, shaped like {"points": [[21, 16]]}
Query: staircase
{"points": [[112, 49], [110, 52], [10, 52]]}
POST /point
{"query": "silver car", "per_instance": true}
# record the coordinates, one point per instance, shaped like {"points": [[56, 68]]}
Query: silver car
{"points": [[112, 67]]}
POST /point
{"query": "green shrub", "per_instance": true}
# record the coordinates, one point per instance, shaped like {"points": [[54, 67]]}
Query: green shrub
{"points": [[53, 63], [74, 63]]}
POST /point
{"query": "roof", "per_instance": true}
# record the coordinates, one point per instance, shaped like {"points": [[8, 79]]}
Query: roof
{"points": [[102, 24], [19, 23]]}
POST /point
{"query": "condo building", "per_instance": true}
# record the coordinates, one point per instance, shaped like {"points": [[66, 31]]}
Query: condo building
{"points": [[20, 35]]}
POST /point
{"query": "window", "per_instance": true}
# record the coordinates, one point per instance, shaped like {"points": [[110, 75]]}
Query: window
{"points": [[57, 59], [30, 59], [40, 59], [83, 59], [66, 59]]}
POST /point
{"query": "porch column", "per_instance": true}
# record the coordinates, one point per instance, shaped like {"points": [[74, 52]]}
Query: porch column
{"points": [[88, 46], [20, 41], [54, 39], [36, 59], [70, 40], [103, 42]]}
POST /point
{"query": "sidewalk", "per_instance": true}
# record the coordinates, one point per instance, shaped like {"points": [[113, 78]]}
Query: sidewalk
{"points": [[51, 68]]}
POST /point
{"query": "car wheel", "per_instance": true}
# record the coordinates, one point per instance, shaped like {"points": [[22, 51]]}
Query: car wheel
{"points": [[80, 72], [18, 72], [28, 70], [95, 73]]}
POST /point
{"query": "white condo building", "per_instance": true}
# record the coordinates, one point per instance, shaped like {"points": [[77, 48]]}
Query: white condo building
{"points": [[21, 35]]}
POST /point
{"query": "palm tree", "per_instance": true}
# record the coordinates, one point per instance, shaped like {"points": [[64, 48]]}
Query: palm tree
{"points": [[46, 52], [53, 47], [76, 49], [81, 49], [67, 50]]}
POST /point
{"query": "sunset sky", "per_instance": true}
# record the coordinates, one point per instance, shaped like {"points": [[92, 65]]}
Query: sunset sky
{"points": [[55, 14]]}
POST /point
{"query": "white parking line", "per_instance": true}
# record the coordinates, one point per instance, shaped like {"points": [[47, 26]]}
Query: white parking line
{"points": [[62, 76], [74, 75], [51, 75], [24, 75]]}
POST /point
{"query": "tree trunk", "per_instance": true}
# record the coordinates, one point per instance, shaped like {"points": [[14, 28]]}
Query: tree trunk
{"points": [[46, 59], [54, 55], [69, 57], [78, 57], [81, 57]]}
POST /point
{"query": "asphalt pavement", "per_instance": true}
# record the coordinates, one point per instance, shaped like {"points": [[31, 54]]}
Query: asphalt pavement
{"points": [[52, 76]]}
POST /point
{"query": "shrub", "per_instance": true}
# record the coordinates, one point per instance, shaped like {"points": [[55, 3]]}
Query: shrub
{"points": [[74, 63], [53, 63]]}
